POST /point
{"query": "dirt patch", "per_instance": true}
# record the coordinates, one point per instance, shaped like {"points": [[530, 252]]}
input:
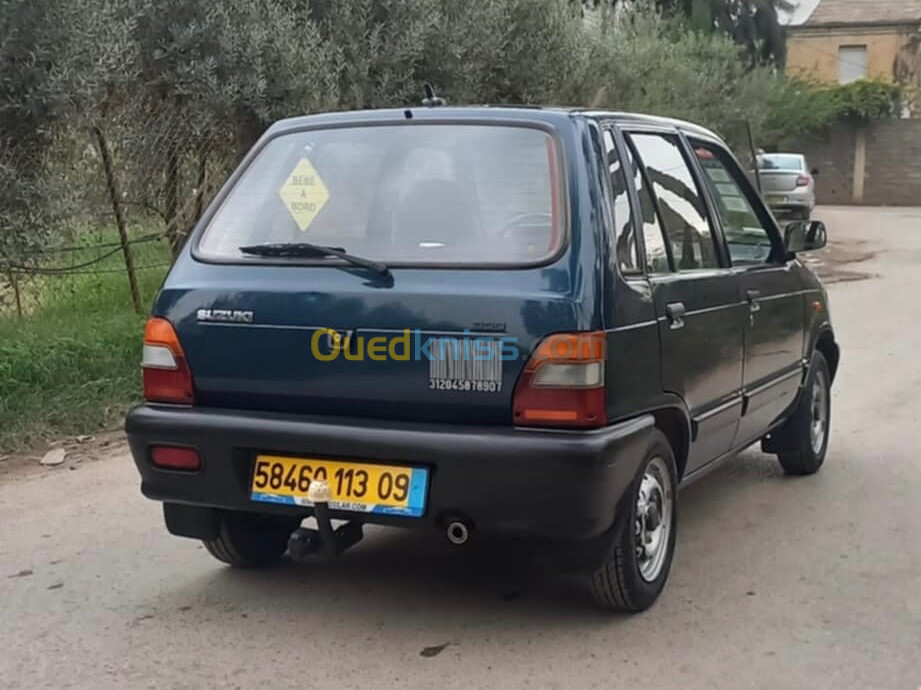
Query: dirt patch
{"points": [[836, 263], [80, 450]]}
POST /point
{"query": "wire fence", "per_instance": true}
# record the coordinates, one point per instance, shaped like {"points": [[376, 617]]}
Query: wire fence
{"points": [[69, 275], [93, 218]]}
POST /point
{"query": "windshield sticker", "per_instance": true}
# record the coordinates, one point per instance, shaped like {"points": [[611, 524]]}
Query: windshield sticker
{"points": [[718, 174], [735, 203], [304, 193]]}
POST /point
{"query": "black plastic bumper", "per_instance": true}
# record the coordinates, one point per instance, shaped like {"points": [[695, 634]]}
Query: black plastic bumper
{"points": [[552, 485]]}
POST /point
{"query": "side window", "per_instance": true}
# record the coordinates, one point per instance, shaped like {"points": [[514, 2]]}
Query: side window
{"points": [[680, 204], [748, 240], [653, 237], [625, 236]]}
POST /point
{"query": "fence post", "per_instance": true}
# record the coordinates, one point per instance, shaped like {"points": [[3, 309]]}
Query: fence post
{"points": [[112, 184], [14, 283], [173, 231]]}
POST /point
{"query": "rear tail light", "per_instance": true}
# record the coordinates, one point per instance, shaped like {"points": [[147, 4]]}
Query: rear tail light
{"points": [[173, 458], [563, 383], [803, 181], [166, 373]]}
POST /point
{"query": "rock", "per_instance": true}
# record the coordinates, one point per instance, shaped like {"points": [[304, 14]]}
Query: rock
{"points": [[54, 457], [429, 652]]}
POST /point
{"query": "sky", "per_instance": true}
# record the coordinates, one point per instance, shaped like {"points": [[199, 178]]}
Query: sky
{"points": [[801, 13]]}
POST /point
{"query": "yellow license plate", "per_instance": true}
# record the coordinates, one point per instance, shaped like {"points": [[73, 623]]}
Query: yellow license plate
{"points": [[358, 487]]}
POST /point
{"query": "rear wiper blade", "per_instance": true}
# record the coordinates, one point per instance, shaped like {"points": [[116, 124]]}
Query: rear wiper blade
{"points": [[306, 249]]}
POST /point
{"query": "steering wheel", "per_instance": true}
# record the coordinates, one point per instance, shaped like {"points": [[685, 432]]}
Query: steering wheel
{"points": [[525, 221]]}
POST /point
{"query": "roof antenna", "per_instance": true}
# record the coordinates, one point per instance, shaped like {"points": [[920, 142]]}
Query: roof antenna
{"points": [[432, 100]]}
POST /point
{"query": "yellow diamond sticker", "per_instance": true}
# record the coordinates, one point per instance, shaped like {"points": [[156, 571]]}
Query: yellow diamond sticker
{"points": [[304, 193]]}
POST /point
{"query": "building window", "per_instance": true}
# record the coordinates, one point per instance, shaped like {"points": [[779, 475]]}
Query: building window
{"points": [[852, 63]]}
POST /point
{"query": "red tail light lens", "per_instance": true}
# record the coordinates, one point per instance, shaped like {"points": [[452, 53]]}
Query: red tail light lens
{"points": [[167, 377], [563, 383], [803, 181], [172, 458]]}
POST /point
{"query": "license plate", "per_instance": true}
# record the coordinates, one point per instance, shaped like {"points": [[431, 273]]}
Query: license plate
{"points": [[356, 487]]}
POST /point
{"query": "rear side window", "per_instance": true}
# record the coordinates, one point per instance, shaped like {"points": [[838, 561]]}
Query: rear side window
{"points": [[679, 201], [653, 236], [781, 161], [412, 194], [625, 235]]}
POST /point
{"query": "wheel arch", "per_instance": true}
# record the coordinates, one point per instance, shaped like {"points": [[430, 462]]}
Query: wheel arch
{"points": [[673, 421], [828, 346]]}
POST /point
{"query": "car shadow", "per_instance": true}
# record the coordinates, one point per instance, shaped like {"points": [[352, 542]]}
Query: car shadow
{"points": [[401, 579]]}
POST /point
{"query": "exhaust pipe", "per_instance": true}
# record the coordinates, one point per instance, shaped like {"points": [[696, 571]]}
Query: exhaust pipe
{"points": [[458, 532]]}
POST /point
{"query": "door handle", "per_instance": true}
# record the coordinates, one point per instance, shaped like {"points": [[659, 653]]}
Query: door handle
{"points": [[753, 300], [675, 313]]}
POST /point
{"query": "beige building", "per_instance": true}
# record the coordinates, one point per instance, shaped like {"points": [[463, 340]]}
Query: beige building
{"points": [[846, 40]]}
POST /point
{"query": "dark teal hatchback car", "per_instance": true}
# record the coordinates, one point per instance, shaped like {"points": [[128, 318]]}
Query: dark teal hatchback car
{"points": [[525, 322]]}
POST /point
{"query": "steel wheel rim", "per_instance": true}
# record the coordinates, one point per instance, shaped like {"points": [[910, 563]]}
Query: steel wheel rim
{"points": [[653, 524], [818, 427]]}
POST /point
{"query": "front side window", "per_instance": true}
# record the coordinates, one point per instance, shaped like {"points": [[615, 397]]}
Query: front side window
{"points": [[412, 194], [748, 240], [679, 201]]}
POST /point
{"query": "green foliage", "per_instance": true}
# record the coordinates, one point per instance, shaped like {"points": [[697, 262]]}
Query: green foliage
{"points": [[797, 105], [867, 99], [73, 369], [652, 63], [800, 105], [507, 51], [754, 25], [74, 378], [29, 108]]}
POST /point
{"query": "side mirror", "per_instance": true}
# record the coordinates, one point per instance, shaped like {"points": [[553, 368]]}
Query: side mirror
{"points": [[805, 236], [814, 172]]}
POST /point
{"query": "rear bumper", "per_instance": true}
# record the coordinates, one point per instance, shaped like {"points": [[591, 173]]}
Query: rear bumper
{"points": [[551, 485], [790, 201]]}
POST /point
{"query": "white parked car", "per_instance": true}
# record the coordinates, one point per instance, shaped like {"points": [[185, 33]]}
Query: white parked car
{"points": [[788, 184]]}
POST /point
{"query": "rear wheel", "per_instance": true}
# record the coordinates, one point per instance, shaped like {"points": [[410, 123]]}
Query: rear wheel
{"points": [[635, 572], [250, 540], [801, 443]]}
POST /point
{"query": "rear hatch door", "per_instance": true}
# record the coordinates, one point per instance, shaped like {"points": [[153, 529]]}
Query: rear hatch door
{"points": [[469, 218]]}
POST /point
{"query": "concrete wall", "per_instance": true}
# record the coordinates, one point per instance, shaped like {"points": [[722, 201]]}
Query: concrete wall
{"points": [[893, 172], [876, 164], [814, 51]]}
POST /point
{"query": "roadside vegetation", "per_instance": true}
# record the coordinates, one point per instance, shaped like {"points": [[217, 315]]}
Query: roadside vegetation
{"points": [[119, 119]]}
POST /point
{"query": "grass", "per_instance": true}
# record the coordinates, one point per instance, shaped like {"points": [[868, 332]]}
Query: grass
{"points": [[71, 366]]}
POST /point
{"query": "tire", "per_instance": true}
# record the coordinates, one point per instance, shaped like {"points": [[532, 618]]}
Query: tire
{"points": [[802, 441], [250, 540], [627, 581]]}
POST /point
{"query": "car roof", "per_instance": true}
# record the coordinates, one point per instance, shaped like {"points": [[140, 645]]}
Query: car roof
{"points": [[542, 114]]}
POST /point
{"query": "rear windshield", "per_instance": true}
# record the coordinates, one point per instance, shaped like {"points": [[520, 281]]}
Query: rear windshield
{"points": [[406, 194], [781, 162]]}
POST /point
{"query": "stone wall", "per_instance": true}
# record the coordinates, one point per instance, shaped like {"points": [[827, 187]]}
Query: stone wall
{"points": [[875, 164]]}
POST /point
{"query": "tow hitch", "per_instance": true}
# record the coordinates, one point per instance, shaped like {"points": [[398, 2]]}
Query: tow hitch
{"points": [[330, 542]]}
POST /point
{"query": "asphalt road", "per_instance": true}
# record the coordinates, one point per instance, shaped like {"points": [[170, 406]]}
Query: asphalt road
{"points": [[777, 582]]}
